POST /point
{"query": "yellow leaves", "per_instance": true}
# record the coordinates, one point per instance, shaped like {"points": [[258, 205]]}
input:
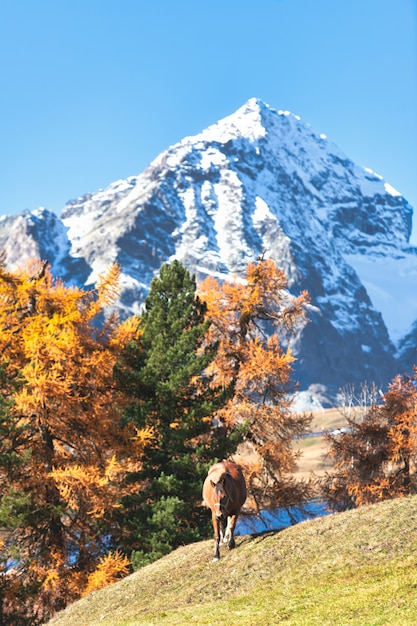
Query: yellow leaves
{"points": [[370, 492], [75, 448], [41, 317], [266, 361], [88, 486], [108, 285], [50, 572], [48, 333], [135, 439], [51, 580], [144, 435], [251, 359], [127, 331], [113, 469], [236, 410], [57, 581], [238, 310], [112, 567], [43, 389]]}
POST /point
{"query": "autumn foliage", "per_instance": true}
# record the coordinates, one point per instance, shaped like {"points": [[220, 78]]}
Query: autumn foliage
{"points": [[63, 451], [376, 458], [250, 321], [107, 429]]}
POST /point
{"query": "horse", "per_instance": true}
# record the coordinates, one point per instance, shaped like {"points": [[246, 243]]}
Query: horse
{"points": [[224, 492]]}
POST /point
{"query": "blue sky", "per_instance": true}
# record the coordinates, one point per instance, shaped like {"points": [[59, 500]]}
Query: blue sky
{"points": [[93, 90]]}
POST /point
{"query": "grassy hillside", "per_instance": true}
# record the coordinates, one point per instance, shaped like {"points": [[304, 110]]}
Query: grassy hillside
{"points": [[358, 568]]}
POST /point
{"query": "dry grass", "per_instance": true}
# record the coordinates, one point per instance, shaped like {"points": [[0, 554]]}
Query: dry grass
{"points": [[314, 459], [358, 568], [328, 419]]}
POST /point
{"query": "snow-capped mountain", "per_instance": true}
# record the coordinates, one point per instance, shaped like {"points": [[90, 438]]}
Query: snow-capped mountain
{"points": [[258, 181]]}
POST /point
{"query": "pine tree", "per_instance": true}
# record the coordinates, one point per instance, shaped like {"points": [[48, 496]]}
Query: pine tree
{"points": [[251, 321], [166, 371]]}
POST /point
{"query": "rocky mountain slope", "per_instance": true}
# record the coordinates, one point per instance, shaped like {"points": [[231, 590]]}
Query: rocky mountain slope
{"points": [[258, 181]]}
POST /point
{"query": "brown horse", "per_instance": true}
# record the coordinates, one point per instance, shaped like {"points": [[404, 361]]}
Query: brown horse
{"points": [[224, 492]]}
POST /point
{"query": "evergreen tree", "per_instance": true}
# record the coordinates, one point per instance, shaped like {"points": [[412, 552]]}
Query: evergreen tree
{"points": [[165, 371]]}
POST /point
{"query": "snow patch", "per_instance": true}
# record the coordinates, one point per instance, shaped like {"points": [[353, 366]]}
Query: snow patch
{"points": [[391, 284], [212, 156], [246, 122], [228, 220], [390, 189], [262, 211], [369, 171]]}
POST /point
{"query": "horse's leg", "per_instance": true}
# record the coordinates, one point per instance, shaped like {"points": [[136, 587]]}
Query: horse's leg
{"points": [[226, 533], [221, 529], [231, 525], [216, 527], [226, 536]]}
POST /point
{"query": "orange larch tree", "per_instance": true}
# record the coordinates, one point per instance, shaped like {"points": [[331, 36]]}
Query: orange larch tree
{"points": [[376, 458], [251, 320], [64, 452], [400, 411]]}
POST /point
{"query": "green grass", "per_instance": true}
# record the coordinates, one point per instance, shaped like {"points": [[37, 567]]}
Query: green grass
{"points": [[358, 568]]}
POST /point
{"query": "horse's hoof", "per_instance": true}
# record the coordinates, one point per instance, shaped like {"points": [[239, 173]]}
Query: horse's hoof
{"points": [[215, 559]]}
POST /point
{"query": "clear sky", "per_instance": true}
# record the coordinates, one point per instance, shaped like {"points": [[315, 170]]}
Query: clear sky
{"points": [[93, 90]]}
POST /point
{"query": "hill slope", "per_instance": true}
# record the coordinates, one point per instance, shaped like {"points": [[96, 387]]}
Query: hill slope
{"points": [[357, 567]]}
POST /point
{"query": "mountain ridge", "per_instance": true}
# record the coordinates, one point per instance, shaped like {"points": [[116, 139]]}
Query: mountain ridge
{"points": [[258, 181]]}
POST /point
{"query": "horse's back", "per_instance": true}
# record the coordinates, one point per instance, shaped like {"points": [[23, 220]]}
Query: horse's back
{"points": [[216, 472]]}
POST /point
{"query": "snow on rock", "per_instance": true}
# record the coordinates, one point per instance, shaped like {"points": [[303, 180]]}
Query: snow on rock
{"points": [[391, 283], [259, 181]]}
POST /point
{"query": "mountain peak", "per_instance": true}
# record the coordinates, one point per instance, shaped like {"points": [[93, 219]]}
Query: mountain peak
{"points": [[252, 121], [246, 122], [259, 181]]}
